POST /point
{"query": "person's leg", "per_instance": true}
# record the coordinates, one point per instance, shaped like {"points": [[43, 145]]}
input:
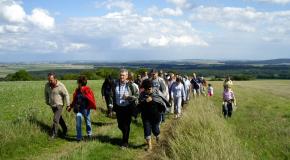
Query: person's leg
{"points": [[122, 125], [175, 106], [57, 114], [179, 103], [88, 122], [63, 125], [120, 119], [224, 109], [188, 95], [147, 129], [172, 105], [230, 109], [127, 123], [147, 133], [109, 103], [79, 125], [155, 128]]}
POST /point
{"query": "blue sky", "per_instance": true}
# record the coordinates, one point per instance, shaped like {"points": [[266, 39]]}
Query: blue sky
{"points": [[112, 30]]}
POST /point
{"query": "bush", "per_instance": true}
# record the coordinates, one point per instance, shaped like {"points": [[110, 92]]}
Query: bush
{"points": [[21, 75]]}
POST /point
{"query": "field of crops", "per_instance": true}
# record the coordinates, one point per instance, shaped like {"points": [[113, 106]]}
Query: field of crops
{"points": [[259, 129]]}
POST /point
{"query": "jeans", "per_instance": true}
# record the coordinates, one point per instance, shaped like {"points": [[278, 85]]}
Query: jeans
{"points": [[177, 104], [57, 119], [227, 109], [150, 126], [86, 114]]}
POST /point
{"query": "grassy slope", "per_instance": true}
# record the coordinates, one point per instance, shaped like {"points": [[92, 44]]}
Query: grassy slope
{"points": [[262, 120], [201, 134], [25, 122], [259, 129]]}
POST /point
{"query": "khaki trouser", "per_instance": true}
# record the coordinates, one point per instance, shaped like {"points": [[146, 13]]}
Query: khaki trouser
{"points": [[57, 119]]}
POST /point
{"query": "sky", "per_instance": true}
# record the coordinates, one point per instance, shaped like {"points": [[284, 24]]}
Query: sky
{"points": [[129, 30]]}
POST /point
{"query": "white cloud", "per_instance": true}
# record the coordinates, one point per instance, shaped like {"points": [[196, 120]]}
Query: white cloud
{"points": [[42, 19], [158, 42], [51, 45], [244, 19], [155, 11], [179, 3], [12, 12], [124, 5], [189, 40], [12, 29], [283, 2], [73, 47], [136, 31]]}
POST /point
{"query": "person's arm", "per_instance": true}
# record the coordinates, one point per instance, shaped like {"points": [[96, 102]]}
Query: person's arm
{"points": [[103, 90], [183, 93], [46, 94], [65, 95], [171, 91], [234, 99], [163, 87], [134, 91]]}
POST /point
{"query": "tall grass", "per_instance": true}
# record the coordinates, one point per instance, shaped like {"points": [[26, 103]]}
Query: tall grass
{"points": [[201, 133]]}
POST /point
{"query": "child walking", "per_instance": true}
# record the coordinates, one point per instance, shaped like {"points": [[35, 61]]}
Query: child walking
{"points": [[210, 90], [228, 101]]}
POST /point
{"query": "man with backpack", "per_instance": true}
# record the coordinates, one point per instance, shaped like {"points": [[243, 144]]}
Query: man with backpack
{"points": [[195, 85], [124, 102]]}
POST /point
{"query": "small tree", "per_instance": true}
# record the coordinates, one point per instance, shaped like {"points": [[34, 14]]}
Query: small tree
{"points": [[21, 75]]}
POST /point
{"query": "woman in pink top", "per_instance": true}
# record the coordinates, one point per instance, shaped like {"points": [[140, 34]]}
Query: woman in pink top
{"points": [[228, 101]]}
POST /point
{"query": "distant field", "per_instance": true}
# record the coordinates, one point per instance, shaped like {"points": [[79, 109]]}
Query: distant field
{"points": [[12, 68], [259, 129]]}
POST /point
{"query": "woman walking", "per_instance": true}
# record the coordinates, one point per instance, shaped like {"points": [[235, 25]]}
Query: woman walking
{"points": [[83, 102], [152, 104]]}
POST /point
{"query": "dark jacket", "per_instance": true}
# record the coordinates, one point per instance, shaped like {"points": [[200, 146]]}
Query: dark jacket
{"points": [[152, 110]]}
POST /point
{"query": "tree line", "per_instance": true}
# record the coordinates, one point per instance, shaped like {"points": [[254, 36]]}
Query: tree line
{"points": [[215, 74]]}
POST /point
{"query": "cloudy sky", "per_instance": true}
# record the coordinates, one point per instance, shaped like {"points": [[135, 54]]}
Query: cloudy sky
{"points": [[111, 30]]}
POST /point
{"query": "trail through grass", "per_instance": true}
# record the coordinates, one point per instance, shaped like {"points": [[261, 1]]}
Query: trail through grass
{"points": [[259, 129]]}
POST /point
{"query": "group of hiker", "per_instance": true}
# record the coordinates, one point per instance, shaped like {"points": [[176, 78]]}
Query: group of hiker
{"points": [[153, 95]]}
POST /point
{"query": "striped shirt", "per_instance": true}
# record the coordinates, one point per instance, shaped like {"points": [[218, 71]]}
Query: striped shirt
{"points": [[122, 91]]}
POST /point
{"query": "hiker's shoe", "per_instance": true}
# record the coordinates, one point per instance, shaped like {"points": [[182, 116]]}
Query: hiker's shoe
{"points": [[124, 146], [149, 145], [89, 137], [157, 139], [52, 137]]}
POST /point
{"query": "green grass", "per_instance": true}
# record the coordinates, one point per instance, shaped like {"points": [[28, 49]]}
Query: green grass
{"points": [[25, 121], [262, 120], [259, 129]]}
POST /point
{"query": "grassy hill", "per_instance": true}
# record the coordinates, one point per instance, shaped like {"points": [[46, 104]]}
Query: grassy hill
{"points": [[259, 129]]}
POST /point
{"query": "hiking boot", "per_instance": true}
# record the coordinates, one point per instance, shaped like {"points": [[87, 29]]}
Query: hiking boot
{"points": [[149, 145], [89, 137], [124, 146], [53, 136]]}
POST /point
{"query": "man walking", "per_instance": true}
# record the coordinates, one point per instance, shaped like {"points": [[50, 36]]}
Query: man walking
{"points": [[124, 100], [56, 95]]}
